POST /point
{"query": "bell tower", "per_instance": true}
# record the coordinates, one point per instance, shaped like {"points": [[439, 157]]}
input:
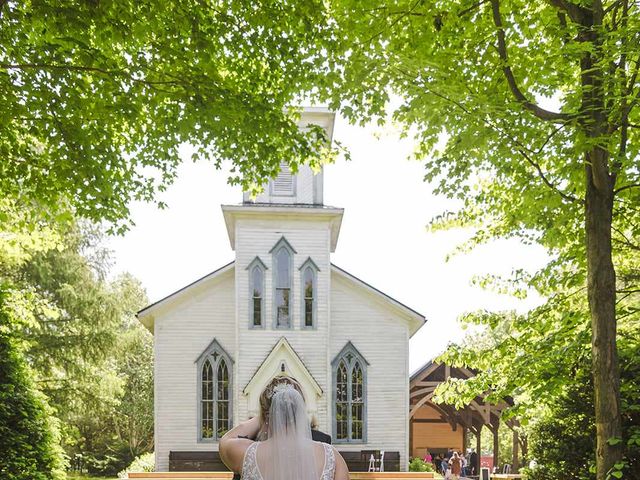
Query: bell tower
{"points": [[305, 186]]}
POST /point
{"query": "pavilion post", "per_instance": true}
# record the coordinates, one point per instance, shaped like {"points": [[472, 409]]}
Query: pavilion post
{"points": [[515, 462], [478, 448], [496, 444], [411, 437], [464, 441]]}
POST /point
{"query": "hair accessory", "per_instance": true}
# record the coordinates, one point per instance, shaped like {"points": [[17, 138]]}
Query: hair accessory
{"points": [[282, 387]]}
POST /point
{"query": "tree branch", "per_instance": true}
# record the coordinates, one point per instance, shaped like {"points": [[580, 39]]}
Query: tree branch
{"points": [[519, 147], [544, 178], [576, 13], [473, 7], [627, 242], [626, 187], [633, 290], [612, 6], [538, 111]]}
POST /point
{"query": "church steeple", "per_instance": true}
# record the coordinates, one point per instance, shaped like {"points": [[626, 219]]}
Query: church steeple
{"points": [[305, 187]]}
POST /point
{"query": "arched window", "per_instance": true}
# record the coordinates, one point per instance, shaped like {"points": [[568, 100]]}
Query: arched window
{"points": [[283, 281], [349, 396], [214, 392], [256, 293], [309, 293]]}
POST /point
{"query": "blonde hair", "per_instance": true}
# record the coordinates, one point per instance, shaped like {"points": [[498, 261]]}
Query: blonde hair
{"points": [[267, 394]]}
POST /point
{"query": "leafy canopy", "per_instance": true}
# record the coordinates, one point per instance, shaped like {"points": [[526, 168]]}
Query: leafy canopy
{"points": [[97, 97]]}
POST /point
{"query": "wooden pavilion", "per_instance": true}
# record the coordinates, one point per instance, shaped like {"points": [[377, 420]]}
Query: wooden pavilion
{"points": [[438, 427]]}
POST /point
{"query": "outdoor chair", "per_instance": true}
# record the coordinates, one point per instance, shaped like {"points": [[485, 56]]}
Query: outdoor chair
{"points": [[374, 458]]}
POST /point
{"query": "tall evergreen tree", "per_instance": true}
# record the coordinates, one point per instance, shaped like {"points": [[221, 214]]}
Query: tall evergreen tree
{"points": [[29, 435]]}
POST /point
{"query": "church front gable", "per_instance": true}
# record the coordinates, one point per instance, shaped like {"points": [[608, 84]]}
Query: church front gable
{"points": [[282, 360]]}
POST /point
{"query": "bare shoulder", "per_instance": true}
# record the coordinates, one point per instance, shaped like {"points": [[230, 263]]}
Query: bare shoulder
{"points": [[232, 452]]}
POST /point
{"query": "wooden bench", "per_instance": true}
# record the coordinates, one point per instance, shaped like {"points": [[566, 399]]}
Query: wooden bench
{"points": [[228, 475], [208, 461]]}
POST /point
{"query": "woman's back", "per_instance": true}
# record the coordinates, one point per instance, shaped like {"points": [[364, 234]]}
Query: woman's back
{"points": [[258, 460]]}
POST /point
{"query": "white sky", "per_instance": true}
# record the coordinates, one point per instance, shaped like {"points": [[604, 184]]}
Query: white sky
{"points": [[383, 240]]}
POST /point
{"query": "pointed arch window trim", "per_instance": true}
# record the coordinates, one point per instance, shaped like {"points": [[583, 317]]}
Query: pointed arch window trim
{"points": [[256, 263], [288, 294], [215, 353], [309, 265], [350, 357]]}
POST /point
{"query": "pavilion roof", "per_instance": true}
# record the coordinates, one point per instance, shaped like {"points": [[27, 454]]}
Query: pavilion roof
{"points": [[473, 416]]}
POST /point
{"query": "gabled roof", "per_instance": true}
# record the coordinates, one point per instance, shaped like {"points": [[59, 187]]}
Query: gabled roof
{"points": [[145, 315], [416, 318]]}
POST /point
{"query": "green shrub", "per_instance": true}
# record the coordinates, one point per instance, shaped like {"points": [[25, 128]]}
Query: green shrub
{"points": [[418, 465], [29, 434], [104, 465], [143, 463]]}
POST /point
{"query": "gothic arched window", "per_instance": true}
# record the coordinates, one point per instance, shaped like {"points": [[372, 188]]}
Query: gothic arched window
{"points": [[309, 293], [214, 393], [349, 396], [283, 281], [256, 293]]}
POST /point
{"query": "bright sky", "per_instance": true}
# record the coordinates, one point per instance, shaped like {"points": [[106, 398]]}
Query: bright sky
{"points": [[383, 240]]}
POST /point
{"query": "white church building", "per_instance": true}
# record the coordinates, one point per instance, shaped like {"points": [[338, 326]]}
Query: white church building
{"points": [[281, 306]]}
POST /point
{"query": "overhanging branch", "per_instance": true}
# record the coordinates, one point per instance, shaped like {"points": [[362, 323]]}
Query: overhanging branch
{"points": [[544, 178], [538, 111], [519, 147], [626, 187]]}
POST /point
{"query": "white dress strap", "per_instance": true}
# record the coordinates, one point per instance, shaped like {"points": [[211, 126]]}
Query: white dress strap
{"points": [[250, 469], [329, 469]]}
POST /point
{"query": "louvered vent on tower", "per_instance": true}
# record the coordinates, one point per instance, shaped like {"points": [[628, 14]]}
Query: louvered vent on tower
{"points": [[284, 182]]}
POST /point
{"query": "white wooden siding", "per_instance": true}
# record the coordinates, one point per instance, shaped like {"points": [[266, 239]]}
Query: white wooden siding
{"points": [[219, 307], [382, 339], [309, 238], [181, 335]]}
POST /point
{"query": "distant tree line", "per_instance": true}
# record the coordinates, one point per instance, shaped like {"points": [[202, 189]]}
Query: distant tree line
{"points": [[85, 363]]}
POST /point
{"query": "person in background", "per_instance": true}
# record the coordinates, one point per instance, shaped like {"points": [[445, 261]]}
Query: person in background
{"points": [[449, 454], [463, 470], [473, 463], [427, 457], [444, 466], [456, 465]]}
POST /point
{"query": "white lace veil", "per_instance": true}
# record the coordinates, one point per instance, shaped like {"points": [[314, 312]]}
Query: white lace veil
{"points": [[288, 453]]}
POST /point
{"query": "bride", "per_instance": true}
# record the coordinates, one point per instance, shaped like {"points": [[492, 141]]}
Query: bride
{"points": [[287, 451]]}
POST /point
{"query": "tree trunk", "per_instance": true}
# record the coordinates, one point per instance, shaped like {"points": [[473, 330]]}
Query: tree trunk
{"points": [[601, 276], [601, 282]]}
